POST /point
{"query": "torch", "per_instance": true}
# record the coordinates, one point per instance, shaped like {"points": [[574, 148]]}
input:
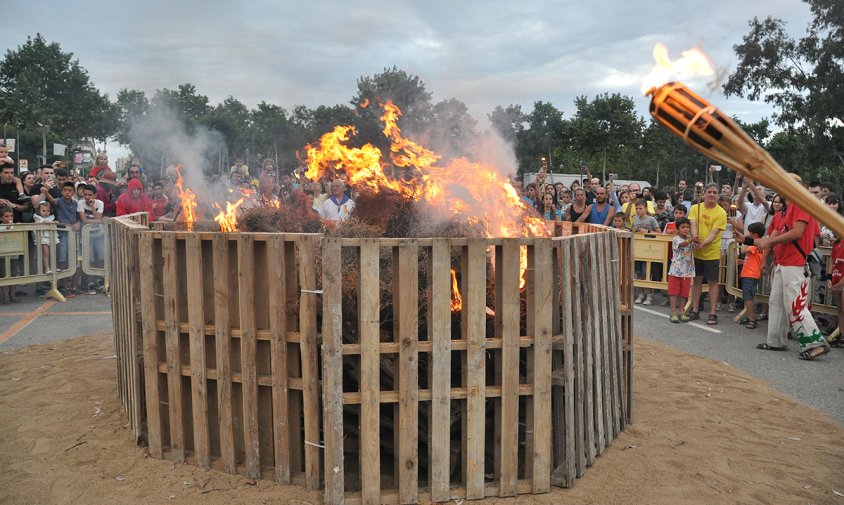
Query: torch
{"points": [[710, 132]]}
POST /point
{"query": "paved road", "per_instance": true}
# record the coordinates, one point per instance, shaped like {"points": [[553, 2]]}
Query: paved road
{"points": [[818, 384]]}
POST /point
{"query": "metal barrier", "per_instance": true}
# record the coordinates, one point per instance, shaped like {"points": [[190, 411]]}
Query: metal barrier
{"points": [[22, 255], [96, 255]]}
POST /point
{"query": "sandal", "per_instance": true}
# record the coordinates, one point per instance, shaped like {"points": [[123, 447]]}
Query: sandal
{"points": [[743, 320], [712, 320], [766, 347], [761, 317], [751, 325], [810, 354], [693, 315]]}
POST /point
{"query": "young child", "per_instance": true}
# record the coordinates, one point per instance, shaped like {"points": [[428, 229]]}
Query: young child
{"points": [[836, 284], [7, 217], [44, 214], [682, 270], [618, 222], [643, 223], [671, 228], [751, 271], [67, 213]]}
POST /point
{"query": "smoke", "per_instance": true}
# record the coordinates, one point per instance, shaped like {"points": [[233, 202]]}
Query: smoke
{"points": [[164, 136]]}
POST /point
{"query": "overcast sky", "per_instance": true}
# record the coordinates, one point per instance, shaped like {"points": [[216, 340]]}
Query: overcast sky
{"points": [[484, 53]]}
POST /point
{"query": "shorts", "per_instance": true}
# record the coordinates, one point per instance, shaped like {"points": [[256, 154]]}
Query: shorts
{"points": [[748, 288], [679, 286], [708, 269]]}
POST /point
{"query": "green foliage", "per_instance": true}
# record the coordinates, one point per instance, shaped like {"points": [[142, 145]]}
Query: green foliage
{"points": [[42, 85], [802, 78]]}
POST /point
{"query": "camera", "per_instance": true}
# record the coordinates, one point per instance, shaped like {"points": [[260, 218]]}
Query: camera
{"points": [[612, 177], [715, 168]]}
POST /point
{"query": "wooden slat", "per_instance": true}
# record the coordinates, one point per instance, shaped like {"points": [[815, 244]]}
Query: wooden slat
{"points": [[332, 366], [588, 338], [542, 367], [248, 348], [564, 397], [196, 320], [222, 319], [439, 333], [369, 304], [408, 449], [611, 280], [174, 352], [137, 335], [275, 260], [597, 343], [507, 328], [474, 307], [579, 356], [150, 336], [308, 351]]}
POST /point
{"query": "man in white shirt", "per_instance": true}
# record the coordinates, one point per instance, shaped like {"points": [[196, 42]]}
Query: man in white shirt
{"points": [[338, 206], [757, 211]]}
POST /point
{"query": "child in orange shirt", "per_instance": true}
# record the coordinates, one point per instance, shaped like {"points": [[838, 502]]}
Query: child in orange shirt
{"points": [[751, 271]]}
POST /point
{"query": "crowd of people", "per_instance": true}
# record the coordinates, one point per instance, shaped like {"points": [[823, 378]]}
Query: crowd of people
{"points": [[774, 237]]}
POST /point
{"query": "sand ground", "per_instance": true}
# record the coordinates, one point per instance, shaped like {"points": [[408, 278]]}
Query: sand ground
{"points": [[703, 432]]}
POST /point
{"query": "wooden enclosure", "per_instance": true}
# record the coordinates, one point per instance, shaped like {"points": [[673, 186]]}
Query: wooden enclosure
{"points": [[340, 362]]}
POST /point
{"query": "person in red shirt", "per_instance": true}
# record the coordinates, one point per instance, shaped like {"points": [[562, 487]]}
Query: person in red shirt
{"points": [[134, 200], [792, 239], [160, 202], [836, 282]]}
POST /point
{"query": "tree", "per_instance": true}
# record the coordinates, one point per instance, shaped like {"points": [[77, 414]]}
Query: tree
{"points": [[453, 132], [44, 88], [803, 78], [131, 105], [232, 119], [509, 122], [609, 131], [405, 90], [544, 133]]}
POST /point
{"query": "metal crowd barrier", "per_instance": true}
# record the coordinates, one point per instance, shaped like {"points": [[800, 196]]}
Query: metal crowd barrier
{"points": [[96, 252], [22, 257]]}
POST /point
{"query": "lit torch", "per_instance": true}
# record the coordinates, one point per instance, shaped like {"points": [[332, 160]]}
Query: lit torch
{"points": [[712, 133]]}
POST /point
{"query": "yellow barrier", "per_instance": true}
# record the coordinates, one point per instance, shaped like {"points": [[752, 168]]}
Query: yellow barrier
{"points": [[22, 257], [651, 250]]}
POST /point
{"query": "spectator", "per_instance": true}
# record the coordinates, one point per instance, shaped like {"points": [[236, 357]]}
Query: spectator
{"points": [[789, 298], [134, 200], [836, 282], [108, 193], [7, 218], [240, 167], [5, 159], [565, 202], [549, 210], [43, 215], [827, 237], [757, 210], [600, 212], [682, 270], [160, 202], [339, 206], [67, 212], [618, 222], [671, 228], [708, 221], [530, 195], [662, 211], [100, 164], [577, 210], [751, 272], [47, 186], [644, 223], [826, 189], [90, 211], [10, 194], [815, 189]]}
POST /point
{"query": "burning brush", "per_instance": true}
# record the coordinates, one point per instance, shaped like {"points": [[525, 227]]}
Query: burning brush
{"points": [[712, 133]]}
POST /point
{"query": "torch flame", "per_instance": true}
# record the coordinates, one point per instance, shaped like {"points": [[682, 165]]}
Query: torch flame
{"points": [[188, 199], [456, 299], [228, 218], [693, 63]]}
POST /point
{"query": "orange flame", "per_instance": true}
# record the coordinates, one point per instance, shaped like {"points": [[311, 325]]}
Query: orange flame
{"points": [[365, 103], [228, 218], [188, 199], [474, 191], [456, 299], [693, 63]]}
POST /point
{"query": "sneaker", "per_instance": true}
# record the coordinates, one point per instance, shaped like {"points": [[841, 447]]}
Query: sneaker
{"points": [[92, 291], [48, 271], [732, 308], [718, 307], [640, 298], [674, 318], [649, 300], [683, 318]]}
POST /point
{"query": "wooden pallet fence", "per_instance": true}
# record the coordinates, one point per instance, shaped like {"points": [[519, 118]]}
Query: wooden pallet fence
{"points": [[125, 290], [230, 352], [422, 403]]}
